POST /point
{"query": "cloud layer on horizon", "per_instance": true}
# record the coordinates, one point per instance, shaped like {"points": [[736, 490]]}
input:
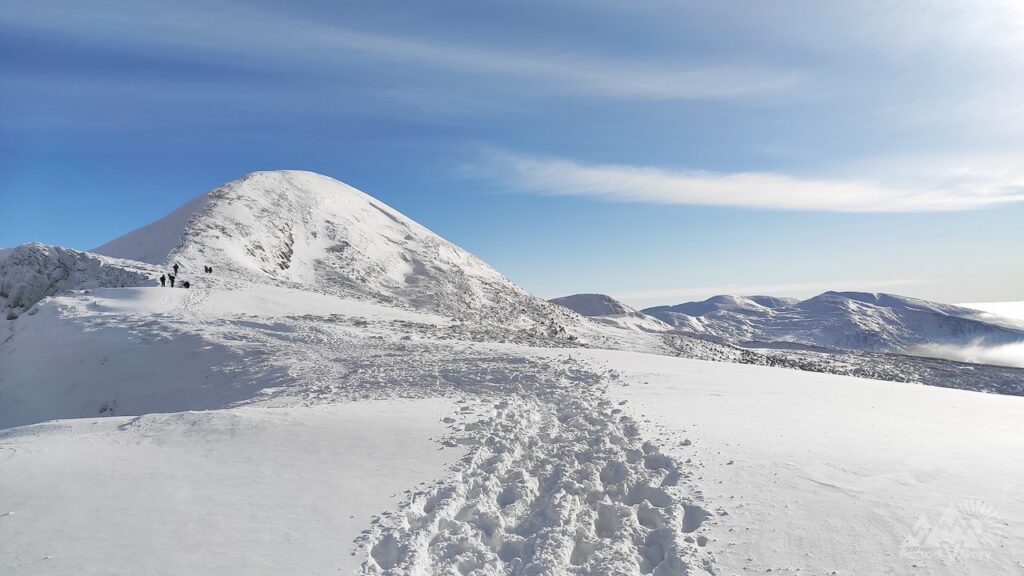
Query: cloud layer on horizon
{"points": [[644, 184]]}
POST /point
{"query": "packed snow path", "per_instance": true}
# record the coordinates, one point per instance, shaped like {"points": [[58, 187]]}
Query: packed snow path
{"points": [[558, 481]]}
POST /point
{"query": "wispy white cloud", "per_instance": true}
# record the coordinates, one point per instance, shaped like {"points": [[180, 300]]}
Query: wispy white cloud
{"points": [[252, 37], [629, 183]]}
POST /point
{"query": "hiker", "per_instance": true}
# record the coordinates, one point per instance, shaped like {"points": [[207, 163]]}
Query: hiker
{"points": [[175, 271], [211, 269], [171, 278], [185, 284], [163, 281]]}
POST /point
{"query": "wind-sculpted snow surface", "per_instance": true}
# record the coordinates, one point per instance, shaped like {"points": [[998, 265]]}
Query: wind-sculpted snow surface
{"points": [[31, 272], [558, 481]]}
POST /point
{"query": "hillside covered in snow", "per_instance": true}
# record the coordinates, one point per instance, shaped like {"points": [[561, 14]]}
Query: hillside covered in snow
{"points": [[301, 229], [609, 311], [31, 272], [843, 320], [347, 392]]}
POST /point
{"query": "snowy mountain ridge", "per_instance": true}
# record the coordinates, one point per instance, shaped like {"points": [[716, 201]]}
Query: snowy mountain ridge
{"points": [[609, 311], [31, 272], [845, 320]]}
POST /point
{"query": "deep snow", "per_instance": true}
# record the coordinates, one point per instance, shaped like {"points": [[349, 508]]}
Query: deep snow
{"points": [[243, 491], [555, 478], [821, 473]]}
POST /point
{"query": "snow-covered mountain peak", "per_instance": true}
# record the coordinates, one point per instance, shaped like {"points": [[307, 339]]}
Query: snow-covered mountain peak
{"points": [[304, 229], [275, 224], [606, 310], [726, 303], [593, 305]]}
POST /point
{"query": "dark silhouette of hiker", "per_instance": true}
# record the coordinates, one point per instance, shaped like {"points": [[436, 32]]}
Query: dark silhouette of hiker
{"points": [[163, 281], [211, 269], [175, 268], [171, 278], [185, 284]]}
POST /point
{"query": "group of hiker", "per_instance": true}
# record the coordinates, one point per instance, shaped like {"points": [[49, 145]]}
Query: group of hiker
{"points": [[170, 276]]}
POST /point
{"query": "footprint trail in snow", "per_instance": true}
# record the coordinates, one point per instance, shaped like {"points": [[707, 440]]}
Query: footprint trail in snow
{"points": [[557, 481]]}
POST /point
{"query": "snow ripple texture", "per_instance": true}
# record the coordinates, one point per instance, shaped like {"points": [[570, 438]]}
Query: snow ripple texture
{"points": [[557, 481]]}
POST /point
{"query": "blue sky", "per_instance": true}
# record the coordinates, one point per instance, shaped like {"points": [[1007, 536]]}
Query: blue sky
{"points": [[659, 152]]}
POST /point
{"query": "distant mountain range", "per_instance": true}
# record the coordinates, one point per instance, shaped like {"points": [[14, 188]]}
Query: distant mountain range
{"points": [[832, 320]]}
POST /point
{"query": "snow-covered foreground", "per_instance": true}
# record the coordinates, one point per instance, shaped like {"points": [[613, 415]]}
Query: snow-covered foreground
{"points": [[570, 460], [242, 491], [555, 479], [823, 474]]}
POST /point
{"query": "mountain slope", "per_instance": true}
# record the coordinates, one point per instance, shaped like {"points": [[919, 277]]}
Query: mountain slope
{"points": [[31, 272], [610, 312], [593, 305], [307, 230], [847, 320]]}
